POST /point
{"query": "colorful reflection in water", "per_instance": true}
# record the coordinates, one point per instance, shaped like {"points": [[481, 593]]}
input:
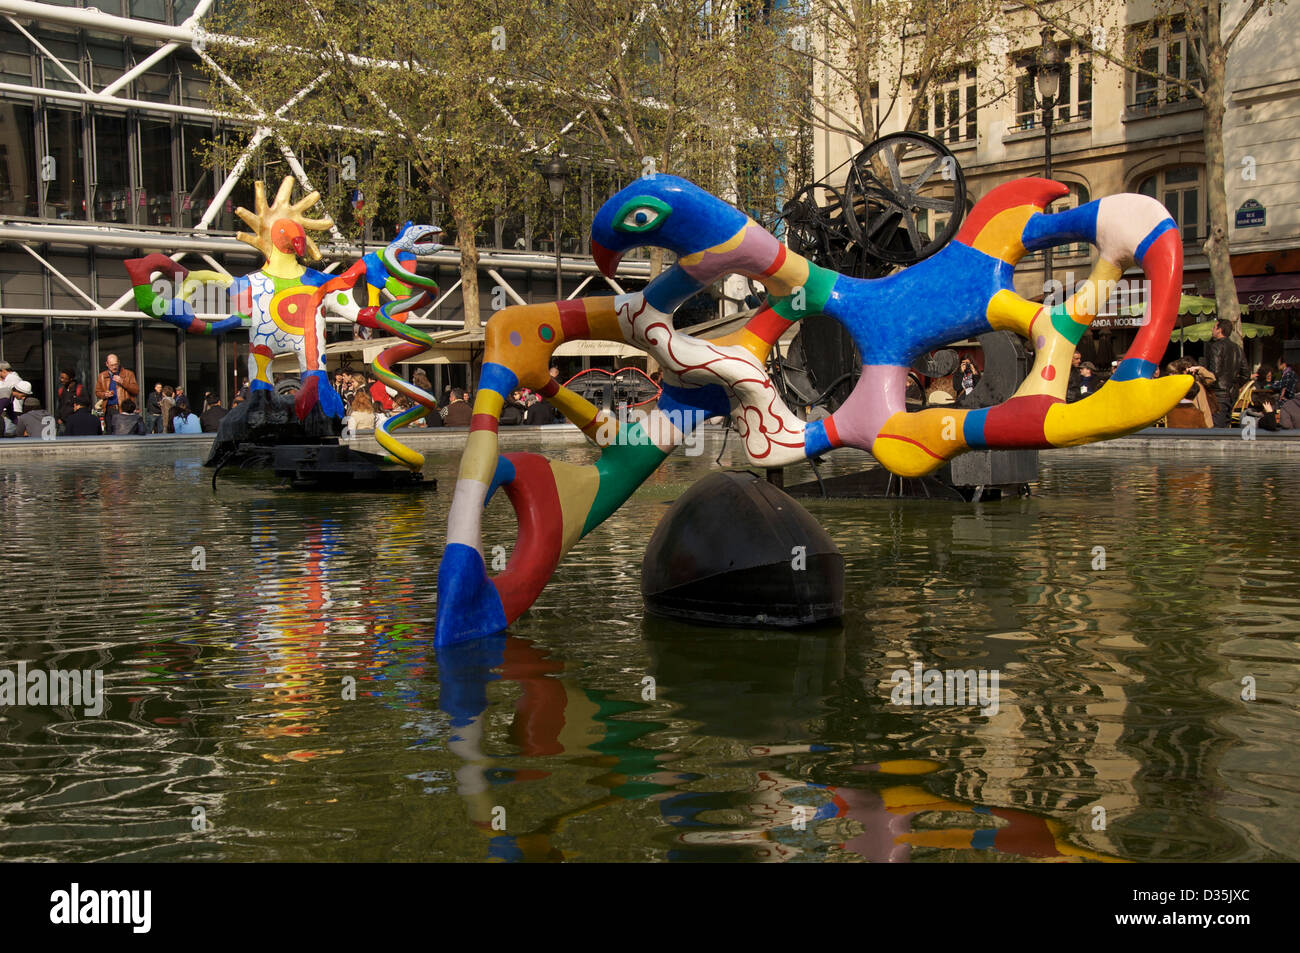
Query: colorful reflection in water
{"points": [[286, 682]]}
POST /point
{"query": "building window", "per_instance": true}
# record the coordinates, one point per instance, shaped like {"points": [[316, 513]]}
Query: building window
{"points": [[949, 109], [112, 185], [65, 195], [160, 350], [68, 53], [1073, 102], [15, 57], [24, 349], [18, 184], [1170, 56], [1182, 192], [71, 342], [196, 190], [154, 203]]}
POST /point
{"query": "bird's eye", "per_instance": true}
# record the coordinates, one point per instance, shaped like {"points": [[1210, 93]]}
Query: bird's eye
{"points": [[641, 214]]}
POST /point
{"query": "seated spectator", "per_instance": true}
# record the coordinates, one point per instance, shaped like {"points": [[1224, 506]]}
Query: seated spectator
{"points": [[184, 420], [81, 422], [212, 414], [539, 412], [1195, 410], [459, 413], [126, 422], [362, 414], [32, 421], [1285, 417], [513, 411]]}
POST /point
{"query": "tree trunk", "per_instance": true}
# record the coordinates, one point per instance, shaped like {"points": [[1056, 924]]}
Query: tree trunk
{"points": [[1216, 246], [468, 268]]}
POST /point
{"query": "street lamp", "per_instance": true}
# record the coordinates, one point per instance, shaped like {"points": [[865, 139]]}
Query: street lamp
{"points": [[556, 171], [1046, 74]]}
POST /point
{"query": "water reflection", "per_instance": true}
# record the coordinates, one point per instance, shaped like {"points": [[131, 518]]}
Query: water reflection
{"points": [[290, 689]]}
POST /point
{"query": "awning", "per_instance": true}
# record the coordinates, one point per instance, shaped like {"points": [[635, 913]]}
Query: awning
{"points": [[1270, 292], [583, 347], [1187, 305], [450, 347], [1201, 332]]}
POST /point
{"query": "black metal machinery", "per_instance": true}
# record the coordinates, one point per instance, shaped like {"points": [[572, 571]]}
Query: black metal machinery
{"points": [[902, 199]]}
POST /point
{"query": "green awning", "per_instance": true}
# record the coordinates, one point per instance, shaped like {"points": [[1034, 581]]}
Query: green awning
{"points": [[1188, 304], [1201, 331]]}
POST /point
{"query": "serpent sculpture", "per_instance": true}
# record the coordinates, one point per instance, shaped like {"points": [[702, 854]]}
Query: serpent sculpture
{"points": [[963, 290]]}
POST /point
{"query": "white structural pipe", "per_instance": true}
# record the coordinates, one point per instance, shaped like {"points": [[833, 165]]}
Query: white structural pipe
{"points": [[92, 19], [157, 241]]}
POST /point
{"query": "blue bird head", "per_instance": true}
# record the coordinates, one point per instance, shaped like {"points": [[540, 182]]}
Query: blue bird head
{"points": [[663, 211]]}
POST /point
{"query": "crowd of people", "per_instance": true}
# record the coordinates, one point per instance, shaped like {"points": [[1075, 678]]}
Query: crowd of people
{"points": [[370, 402], [1225, 393], [109, 407]]}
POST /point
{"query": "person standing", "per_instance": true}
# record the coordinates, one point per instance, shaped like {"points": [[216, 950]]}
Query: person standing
{"points": [[115, 385], [8, 378], [153, 409], [1225, 359], [70, 389], [1287, 383], [168, 406], [966, 378]]}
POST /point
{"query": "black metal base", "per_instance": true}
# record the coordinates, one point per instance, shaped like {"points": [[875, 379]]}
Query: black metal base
{"points": [[333, 467], [736, 551]]}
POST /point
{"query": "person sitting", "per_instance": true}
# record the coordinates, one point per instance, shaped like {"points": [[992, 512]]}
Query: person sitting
{"points": [[540, 413], [362, 415], [126, 422], [1284, 417], [212, 413], [81, 422], [1194, 411], [513, 411], [459, 412], [34, 421], [184, 420]]}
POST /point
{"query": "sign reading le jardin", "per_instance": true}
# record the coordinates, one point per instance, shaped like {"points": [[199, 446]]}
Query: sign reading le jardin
{"points": [[1251, 214]]}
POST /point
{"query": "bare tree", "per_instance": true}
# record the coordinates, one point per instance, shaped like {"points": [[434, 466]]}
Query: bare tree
{"points": [[424, 99], [1212, 28], [866, 60]]}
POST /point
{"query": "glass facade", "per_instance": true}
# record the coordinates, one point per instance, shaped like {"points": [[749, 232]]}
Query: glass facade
{"points": [[147, 168]]}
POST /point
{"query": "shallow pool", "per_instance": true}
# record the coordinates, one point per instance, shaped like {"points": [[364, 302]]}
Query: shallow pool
{"points": [[273, 692]]}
